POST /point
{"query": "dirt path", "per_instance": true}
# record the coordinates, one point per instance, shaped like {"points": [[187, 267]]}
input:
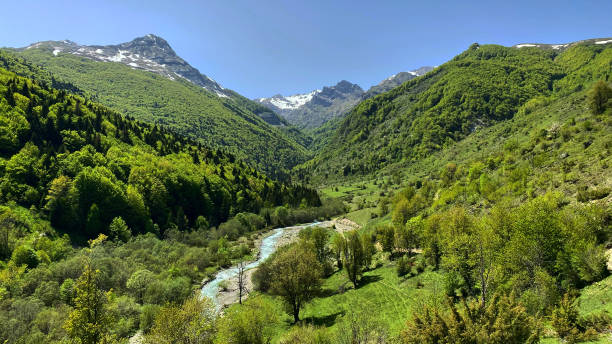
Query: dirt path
{"points": [[609, 252]]}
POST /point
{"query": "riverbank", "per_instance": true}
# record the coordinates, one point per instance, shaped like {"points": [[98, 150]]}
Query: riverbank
{"points": [[230, 295]]}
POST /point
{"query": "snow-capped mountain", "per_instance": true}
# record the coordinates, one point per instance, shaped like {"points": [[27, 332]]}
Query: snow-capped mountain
{"points": [[151, 53], [313, 109], [598, 41], [310, 110]]}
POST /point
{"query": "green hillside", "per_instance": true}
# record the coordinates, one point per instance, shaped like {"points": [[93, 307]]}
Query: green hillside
{"points": [[478, 88], [86, 191], [233, 124]]}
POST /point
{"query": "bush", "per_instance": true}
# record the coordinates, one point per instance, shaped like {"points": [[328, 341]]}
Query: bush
{"points": [[569, 326], [25, 255], [148, 313], [404, 266], [502, 320]]}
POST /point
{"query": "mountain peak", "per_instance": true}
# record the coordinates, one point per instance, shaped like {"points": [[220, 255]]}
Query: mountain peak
{"points": [[151, 53], [149, 42]]}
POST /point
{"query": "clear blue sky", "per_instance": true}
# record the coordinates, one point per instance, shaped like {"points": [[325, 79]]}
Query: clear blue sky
{"points": [[260, 48]]}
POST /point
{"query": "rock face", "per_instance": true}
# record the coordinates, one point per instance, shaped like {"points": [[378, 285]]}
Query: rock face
{"points": [[151, 53], [313, 109], [395, 80]]}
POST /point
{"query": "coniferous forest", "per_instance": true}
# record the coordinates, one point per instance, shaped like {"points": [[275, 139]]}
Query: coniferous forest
{"points": [[471, 204]]}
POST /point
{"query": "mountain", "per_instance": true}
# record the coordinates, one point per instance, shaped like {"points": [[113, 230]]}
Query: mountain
{"points": [[313, 109], [484, 85], [116, 165], [395, 80], [145, 79]]}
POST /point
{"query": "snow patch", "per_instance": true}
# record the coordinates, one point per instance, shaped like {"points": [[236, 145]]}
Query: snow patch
{"points": [[292, 102], [118, 57], [133, 64], [604, 42], [56, 51], [526, 45], [391, 77], [221, 95], [99, 51], [559, 46]]}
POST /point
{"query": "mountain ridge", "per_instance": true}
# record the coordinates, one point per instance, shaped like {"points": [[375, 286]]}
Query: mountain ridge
{"points": [[313, 109], [136, 78]]}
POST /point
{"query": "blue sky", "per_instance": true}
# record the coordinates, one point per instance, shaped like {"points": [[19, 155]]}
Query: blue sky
{"points": [[261, 48]]}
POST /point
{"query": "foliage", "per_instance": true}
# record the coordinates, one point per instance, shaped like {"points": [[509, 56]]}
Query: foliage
{"points": [[231, 124], [353, 257], [193, 322], [503, 320], [90, 321], [250, 323], [296, 276]]}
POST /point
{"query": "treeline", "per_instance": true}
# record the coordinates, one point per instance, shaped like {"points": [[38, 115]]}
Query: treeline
{"points": [[72, 170], [484, 85], [84, 165], [235, 124]]}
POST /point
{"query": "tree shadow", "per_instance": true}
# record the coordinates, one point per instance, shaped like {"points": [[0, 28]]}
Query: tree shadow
{"points": [[327, 292], [365, 280], [327, 320]]}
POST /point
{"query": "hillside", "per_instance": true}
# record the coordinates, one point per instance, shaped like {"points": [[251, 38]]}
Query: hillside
{"points": [[478, 88], [165, 90]]}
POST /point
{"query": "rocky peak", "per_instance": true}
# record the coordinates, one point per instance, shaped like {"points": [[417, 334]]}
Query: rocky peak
{"points": [[151, 53]]}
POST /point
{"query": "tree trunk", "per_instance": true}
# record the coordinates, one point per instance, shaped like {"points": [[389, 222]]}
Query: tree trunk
{"points": [[296, 313]]}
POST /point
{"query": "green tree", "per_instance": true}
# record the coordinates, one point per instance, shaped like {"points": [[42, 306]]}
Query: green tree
{"points": [[25, 255], [296, 276], [119, 230], [139, 282], [353, 257], [90, 320], [599, 97], [338, 246], [194, 322]]}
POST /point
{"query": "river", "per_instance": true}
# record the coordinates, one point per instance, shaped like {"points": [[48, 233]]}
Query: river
{"points": [[267, 247]]}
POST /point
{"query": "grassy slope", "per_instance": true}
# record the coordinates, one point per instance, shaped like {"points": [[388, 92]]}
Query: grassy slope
{"points": [[477, 89], [179, 105]]}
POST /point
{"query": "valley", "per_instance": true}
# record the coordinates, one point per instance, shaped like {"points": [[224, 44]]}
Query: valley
{"points": [[143, 202]]}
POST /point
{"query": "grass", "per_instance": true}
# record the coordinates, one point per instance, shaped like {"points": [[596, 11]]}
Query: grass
{"points": [[381, 292], [362, 216], [392, 300], [596, 298]]}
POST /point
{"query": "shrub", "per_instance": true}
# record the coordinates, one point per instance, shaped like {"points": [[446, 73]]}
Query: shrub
{"points": [[502, 320], [404, 266], [25, 255], [569, 326]]}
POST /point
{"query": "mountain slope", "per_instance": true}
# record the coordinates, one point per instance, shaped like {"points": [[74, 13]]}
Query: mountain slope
{"points": [[146, 80], [478, 88], [395, 80], [311, 110], [75, 155]]}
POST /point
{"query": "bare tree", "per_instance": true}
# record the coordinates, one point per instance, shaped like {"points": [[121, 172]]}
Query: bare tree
{"points": [[242, 288]]}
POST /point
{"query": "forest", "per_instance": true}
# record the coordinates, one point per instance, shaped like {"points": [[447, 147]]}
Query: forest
{"points": [[468, 205]]}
